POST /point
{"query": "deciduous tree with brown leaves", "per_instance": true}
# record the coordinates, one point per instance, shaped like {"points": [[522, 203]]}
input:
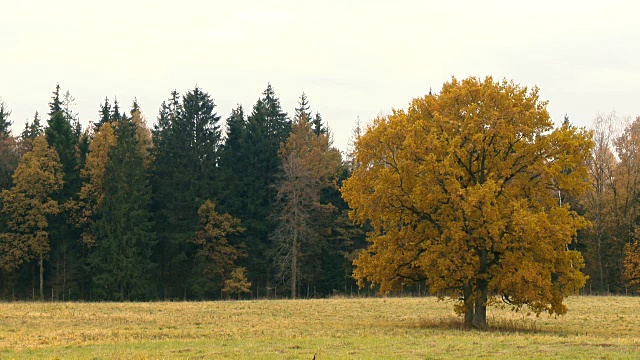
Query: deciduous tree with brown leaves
{"points": [[309, 165], [216, 253], [28, 204], [462, 192]]}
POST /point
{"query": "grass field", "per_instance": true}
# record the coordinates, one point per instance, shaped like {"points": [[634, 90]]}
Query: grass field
{"points": [[381, 328]]}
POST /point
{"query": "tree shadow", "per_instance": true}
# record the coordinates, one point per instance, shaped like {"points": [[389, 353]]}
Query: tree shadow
{"points": [[527, 326]]}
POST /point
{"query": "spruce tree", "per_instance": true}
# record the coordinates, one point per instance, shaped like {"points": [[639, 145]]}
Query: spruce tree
{"points": [[5, 123], [187, 141], [256, 143], [233, 164], [64, 237], [105, 113], [121, 260], [60, 136], [318, 126], [302, 111], [8, 150]]}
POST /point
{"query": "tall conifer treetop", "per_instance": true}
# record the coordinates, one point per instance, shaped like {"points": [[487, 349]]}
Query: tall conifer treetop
{"points": [[5, 123]]}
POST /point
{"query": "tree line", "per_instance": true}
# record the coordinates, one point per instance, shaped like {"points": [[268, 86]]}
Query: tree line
{"points": [[201, 207], [195, 207]]}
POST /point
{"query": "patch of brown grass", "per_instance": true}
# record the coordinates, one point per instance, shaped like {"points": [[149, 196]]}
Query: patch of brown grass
{"points": [[334, 328]]}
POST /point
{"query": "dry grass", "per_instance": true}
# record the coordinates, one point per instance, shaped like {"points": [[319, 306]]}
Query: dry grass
{"points": [[386, 328]]}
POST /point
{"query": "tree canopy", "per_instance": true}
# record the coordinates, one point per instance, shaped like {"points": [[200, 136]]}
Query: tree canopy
{"points": [[462, 191]]}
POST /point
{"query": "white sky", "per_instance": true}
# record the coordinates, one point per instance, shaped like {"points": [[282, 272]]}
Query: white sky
{"points": [[352, 58]]}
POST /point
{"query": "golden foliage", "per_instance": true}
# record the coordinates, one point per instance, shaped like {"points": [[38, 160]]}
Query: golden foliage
{"points": [[215, 251], [91, 194], [631, 264], [461, 191], [310, 165], [237, 283], [28, 204]]}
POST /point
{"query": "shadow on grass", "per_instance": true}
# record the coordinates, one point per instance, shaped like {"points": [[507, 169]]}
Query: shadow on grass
{"points": [[495, 325]]}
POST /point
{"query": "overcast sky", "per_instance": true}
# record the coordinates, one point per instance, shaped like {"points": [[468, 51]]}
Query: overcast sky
{"points": [[352, 58]]}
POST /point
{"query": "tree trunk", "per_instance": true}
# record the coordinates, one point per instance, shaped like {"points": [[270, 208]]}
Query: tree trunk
{"points": [[468, 307], [600, 267], [294, 264], [480, 315], [41, 263]]}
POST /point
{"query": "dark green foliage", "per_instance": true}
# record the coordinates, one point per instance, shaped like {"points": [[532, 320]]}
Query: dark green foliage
{"points": [[252, 157], [187, 139], [344, 240], [121, 261], [60, 136], [318, 127], [146, 223], [8, 149], [302, 111], [5, 123], [115, 115], [30, 132], [135, 106], [105, 113]]}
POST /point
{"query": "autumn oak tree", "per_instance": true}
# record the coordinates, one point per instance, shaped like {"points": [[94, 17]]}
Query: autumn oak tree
{"points": [[461, 191]]}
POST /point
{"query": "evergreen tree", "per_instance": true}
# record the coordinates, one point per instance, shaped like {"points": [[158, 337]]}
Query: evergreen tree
{"points": [[105, 113], [5, 123], [121, 261], [8, 150], [64, 237], [59, 134], [187, 140], [253, 147], [318, 127], [29, 133], [302, 111], [233, 163], [115, 115]]}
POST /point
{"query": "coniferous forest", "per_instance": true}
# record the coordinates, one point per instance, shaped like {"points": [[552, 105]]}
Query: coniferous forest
{"points": [[195, 207]]}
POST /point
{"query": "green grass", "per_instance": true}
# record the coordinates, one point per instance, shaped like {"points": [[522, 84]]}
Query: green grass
{"points": [[382, 328]]}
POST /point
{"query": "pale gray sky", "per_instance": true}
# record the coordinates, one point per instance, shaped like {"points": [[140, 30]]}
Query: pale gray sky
{"points": [[352, 58]]}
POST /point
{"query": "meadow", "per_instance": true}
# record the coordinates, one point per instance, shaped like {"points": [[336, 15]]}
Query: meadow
{"points": [[371, 328]]}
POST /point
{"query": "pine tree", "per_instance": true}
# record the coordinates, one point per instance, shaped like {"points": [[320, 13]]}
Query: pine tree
{"points": [[267, 126], [187, 141], [115, 114], [8, 150], [105, 113], [233, 163], [302, 111], [59, 134], [121, 261], [64, 237], [5, 123], [318, 126]]}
